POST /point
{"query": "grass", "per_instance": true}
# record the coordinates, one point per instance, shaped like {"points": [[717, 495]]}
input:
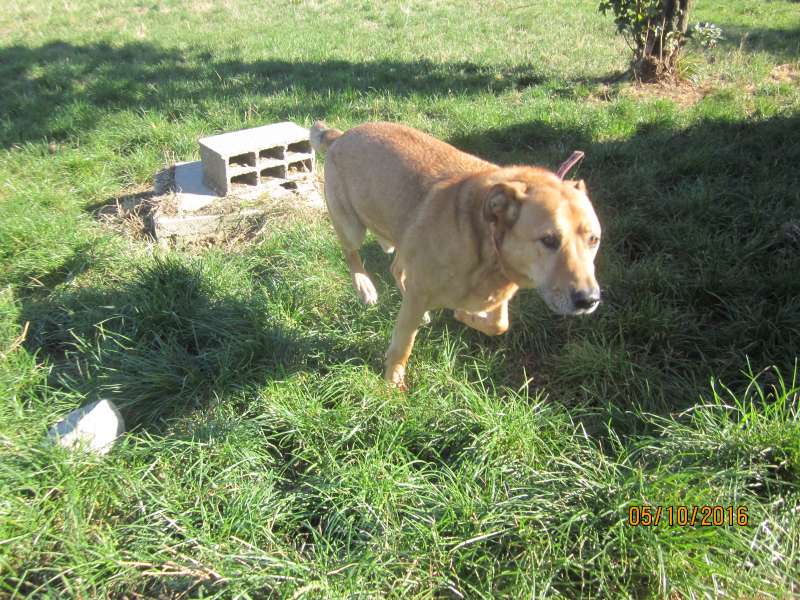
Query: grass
{"points": [[267, 458]]}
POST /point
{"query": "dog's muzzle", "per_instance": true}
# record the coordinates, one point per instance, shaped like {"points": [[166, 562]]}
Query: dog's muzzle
{"points": [[585, 301]]}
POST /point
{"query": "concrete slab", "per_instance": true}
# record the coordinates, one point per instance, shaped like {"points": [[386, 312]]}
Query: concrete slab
{"points": [[170, 227], [192, 211], [192, 194]]}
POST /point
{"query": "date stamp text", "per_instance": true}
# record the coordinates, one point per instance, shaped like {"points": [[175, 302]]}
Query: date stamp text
{"points": [[646, 515]]}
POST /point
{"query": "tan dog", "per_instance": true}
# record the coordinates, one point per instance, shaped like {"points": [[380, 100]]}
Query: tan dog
{"points": [[468, 234]]}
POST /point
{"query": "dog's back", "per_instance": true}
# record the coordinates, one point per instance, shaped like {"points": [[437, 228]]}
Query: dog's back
{"points": [[322, 136], [372, 143], [381, 172]]}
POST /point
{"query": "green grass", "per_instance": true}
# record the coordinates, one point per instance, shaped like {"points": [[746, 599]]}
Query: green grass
{"points": [[267, 457]]}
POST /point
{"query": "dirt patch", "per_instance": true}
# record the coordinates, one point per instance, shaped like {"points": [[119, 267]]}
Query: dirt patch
{"points": [[787, 73], [130, 212], [127, 214], [603, 93], [686, 94], [682, 94]]}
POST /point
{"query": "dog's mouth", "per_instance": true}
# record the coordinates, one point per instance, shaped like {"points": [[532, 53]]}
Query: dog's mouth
{"points": [[584, 311]]}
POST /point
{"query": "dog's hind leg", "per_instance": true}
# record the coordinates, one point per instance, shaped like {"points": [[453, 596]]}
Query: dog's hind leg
{"points": [[350, 231], [361, 281]]}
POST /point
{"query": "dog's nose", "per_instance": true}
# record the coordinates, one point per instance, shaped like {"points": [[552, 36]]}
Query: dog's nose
{"points": [[585, 300]]}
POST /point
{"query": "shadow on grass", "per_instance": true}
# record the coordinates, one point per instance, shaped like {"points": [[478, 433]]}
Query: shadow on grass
{"points": [[164, 341], [783, 43], [54, 91], [532, 142], [698, 261], [698, 266]]}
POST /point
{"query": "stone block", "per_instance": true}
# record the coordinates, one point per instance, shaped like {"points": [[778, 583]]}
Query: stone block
{"points": [[250, 159]]}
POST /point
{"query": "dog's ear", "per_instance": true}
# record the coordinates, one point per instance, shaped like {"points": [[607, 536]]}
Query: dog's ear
{"points": [[577, 184], [502, 203]]}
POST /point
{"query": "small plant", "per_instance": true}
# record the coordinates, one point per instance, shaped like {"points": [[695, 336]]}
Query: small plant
{"points": [[688, 67], [704, 36], [655, 30], [707, 34]]}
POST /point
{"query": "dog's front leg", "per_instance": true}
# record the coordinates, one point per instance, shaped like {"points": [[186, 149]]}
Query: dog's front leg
{"points": [[400, 278], [491, 322], [412, 311]]}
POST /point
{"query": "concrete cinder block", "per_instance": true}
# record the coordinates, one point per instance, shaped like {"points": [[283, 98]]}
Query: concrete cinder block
{"points": [[251, 159], [242, 179]]}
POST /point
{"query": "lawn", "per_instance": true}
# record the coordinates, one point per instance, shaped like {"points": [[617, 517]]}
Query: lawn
{"points": [[267, 458]]}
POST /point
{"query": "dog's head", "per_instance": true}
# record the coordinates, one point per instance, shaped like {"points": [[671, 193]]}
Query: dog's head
{"points": [[547, 236]]}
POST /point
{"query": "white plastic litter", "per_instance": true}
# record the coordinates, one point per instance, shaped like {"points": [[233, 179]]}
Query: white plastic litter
{"points": [[94, 427]]}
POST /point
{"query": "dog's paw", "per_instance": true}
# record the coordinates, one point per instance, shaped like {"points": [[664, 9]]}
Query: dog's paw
{"points": [[365, 288], [395, 376], [463, 316], [480, 322]]}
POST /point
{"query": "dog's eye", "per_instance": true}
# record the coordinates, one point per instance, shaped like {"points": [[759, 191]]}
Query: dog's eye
{"points": [[593, 240], [551, 241]]}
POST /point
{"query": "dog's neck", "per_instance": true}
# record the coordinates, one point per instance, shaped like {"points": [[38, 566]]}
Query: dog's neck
{"points": [[493, 272], [494, 282], [508, 273]]}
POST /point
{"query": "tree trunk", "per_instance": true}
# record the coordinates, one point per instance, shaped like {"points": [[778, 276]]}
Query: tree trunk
{"points": [[663, 41], [675, 19], [683, 17]]}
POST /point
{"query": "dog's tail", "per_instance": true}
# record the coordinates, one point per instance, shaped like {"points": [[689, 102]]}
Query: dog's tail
{"points": [[323, 136]]}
